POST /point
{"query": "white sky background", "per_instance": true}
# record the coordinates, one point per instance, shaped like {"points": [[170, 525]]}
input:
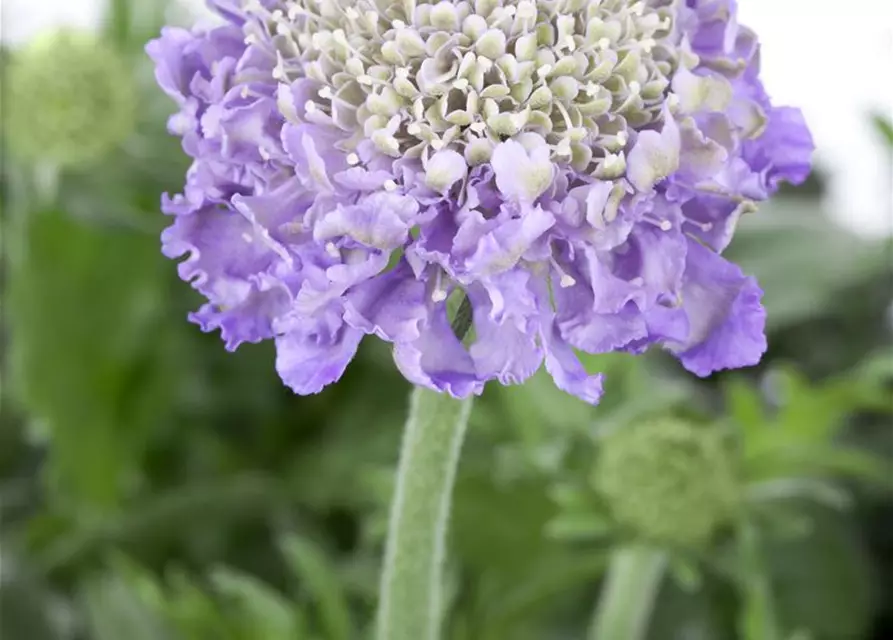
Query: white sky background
{"points": [[832, 58]]}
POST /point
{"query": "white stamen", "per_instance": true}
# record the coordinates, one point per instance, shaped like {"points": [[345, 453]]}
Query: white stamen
{"points": [[544, 70], [339, 37], [390, 185], [353, 159], [637, 282], [622, 137], [326, 93], [332, 250], [634, 88], [264, 154], [402, 73], [399, 24], [565, 279], [364, 79], [461, 84], [244, 92], [648, 44], [604, 43], [591, 89], [413, 129], [478, 127], [666, 225], [310, 106], [351, 13], [440, 293]]}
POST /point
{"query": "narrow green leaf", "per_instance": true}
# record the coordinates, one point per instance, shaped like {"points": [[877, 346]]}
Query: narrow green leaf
{"points": [[263, 609], [758, 618], [578, 526], [884, 126], [311, 567], [114, 612]]}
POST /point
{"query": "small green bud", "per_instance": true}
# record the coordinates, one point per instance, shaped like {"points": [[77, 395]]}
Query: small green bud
{"points": [[70, 100], [667, 480]]}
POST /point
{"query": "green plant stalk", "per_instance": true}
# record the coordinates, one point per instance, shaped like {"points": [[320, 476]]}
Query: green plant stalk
{"points": [[410, 593], [758, 619], [628, 596]]}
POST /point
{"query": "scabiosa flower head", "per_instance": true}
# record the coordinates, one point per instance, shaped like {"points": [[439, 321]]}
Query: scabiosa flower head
{"points": [[70, 99], [668, 481], [572, 168]]}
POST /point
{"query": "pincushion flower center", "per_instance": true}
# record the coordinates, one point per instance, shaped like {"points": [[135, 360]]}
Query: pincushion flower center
{"points": [[416, 78]]}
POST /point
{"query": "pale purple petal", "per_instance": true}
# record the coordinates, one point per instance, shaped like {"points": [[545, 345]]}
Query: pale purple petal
{"points": [[437, 359], [308, 361], [522, 175], [568, 372], [726, 320]]}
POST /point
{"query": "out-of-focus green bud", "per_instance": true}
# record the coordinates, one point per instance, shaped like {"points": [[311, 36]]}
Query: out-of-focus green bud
{"points": [[69, 100], [668, 481]]}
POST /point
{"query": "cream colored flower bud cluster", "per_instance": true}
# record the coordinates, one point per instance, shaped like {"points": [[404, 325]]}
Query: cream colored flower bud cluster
{"points": [[417, 77]]}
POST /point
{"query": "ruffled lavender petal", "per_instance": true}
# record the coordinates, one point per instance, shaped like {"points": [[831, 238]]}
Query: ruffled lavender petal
{"points": [[725, 317]]}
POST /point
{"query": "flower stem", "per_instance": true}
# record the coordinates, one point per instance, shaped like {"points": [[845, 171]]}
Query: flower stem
{"points": [[633, 582], [409, 605]]}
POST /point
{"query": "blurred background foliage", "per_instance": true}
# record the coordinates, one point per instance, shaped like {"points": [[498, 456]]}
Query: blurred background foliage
{"points": [[155, 487]]}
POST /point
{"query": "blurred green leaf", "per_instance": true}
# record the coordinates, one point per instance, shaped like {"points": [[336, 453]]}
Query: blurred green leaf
{"points": [[311, 567], [119, 19], [87, 314], [802, 258], [28, 609], [758, 619], [182, 512], [510, 611], [812, 489], [884, 126], [822, 581], [194, 612], [262, 610], [114, 612], [579, 526], [744, 404]]}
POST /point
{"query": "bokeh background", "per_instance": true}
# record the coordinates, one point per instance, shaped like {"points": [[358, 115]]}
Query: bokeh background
{"points": [[155, 487]]}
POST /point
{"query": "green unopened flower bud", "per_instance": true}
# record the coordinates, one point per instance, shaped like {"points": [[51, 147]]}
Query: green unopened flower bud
{"points": [[70, 99], [667, 480]]}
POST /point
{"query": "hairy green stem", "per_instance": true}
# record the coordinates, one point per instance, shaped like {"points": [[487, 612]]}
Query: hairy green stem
{"points": [[631, 588], [410, 598]]}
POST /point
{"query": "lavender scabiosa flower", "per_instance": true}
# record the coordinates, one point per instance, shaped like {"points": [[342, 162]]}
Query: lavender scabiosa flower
{"points": [[573, 168]]}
